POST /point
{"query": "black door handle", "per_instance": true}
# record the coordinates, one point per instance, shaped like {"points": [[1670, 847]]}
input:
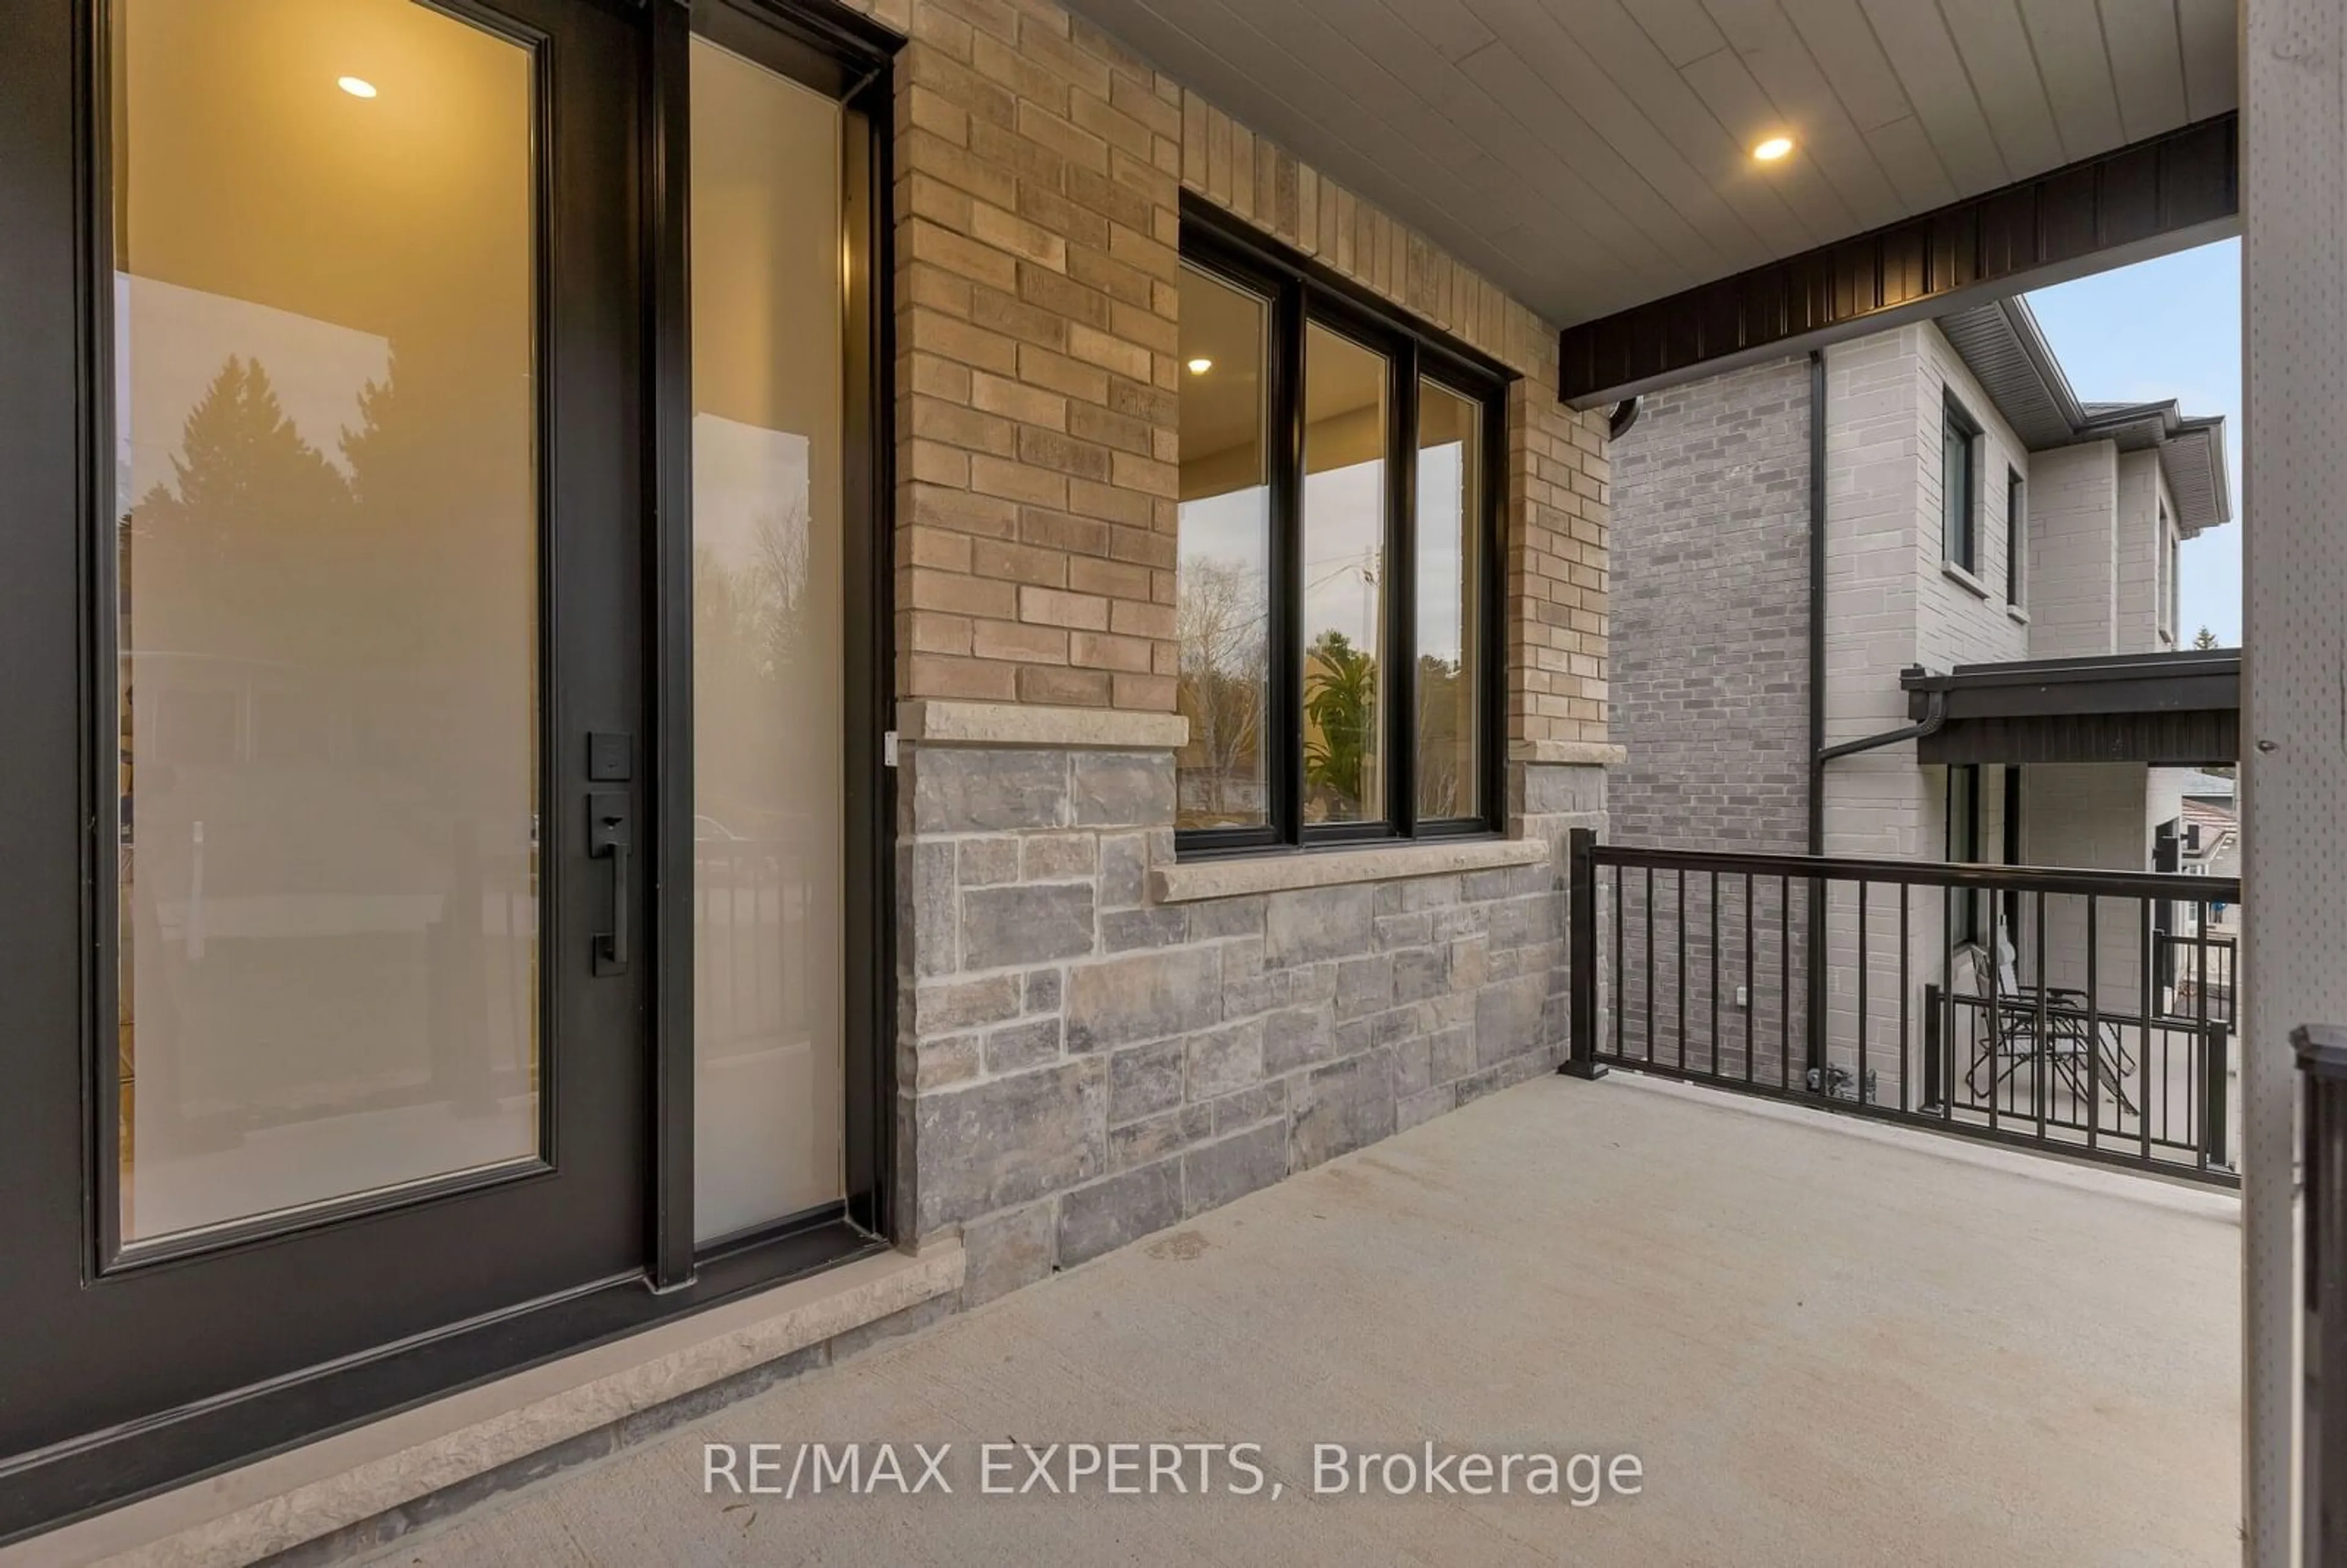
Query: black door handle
{"points": [[610, 821]]}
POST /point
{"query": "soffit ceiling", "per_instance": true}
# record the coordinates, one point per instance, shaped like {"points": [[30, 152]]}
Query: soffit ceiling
{"points": [[1588, 154]]}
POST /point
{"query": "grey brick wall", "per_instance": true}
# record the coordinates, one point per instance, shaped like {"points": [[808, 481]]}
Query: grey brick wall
{"points": [[1711, 698], [1079, 1066], [1710, 603]]}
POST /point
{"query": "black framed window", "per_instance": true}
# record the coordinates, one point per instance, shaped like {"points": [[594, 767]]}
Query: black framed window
{"points": [[2016, 537], [1337, 584], [1959, 484]]}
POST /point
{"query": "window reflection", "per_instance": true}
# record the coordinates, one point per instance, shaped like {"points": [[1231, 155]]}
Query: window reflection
{"points": [[1223, 604], [325, 477], [1345, 391], [769, 780], [1450, 561]]}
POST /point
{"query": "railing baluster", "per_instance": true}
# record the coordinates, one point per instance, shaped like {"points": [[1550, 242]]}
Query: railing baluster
{"points": [[1621, 943], [2202, 1134], [1906, 984], [1750, 1002], [1651, 966], [1784, 976], [1863, 965], [1715, 975], [2094, 1024], [1679, 926], [2037, 965], [1949, 1046], [2145, 980]]}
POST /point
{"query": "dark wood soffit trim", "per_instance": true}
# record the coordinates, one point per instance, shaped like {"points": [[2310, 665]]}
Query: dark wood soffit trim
{"points": [[2141, 200], [2204, 739]]}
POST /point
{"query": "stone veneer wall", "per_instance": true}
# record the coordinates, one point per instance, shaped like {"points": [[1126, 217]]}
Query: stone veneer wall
{"points": [[1081, 1065]]}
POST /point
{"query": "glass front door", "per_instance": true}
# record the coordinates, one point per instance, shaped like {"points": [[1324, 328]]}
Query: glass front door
{"points": [[326, 454], [363, 675], [443, 658]]}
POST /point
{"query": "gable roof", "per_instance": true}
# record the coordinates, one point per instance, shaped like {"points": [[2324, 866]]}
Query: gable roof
{"points": [[2006, 350]]}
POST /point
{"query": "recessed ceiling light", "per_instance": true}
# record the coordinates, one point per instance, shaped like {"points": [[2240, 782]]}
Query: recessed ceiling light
{"points": [[1775, 148], [1201, 367], [357, 86]]}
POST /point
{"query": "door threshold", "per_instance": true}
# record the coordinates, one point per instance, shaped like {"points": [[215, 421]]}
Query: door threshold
{"points": [[320, 1487]]}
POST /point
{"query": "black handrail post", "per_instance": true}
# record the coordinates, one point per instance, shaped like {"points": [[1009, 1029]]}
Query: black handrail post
{"points": [[2322, 1061], [1580, 915], [1933, 1071], [2217, 1043]]}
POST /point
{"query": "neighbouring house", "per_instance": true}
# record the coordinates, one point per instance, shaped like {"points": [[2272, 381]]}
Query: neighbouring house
{"points": [[2001, 667]]}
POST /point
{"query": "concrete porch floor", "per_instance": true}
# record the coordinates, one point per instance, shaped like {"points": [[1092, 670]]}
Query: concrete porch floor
{"points": [[1827, 1344]]}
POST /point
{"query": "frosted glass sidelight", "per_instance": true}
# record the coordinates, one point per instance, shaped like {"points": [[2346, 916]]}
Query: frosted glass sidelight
{"points": [[768, 750]]}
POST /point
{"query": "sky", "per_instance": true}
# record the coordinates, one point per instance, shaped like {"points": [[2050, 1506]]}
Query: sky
{"points": [[2169, 328]]}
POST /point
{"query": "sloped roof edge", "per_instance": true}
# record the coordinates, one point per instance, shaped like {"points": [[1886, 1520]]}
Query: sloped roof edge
{"points": [[2002, 345]]}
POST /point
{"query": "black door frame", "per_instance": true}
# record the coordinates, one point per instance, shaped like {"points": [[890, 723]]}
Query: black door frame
{"points": [[833, 51], [47, 108]]}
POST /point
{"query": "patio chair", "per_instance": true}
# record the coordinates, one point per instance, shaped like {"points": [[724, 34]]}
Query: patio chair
{"points": [[2073, 1037]]}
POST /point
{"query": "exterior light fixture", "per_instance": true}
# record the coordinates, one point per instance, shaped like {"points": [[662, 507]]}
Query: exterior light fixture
{"points": [[1775, 148], [1201, 367], [357, 86]]}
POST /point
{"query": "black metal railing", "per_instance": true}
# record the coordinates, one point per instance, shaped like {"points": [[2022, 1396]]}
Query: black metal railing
{"points": [[2047, 1008], [756, 919], [2180, 967]]}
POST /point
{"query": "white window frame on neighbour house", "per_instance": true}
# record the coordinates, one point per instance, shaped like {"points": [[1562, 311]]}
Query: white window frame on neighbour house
{"points": [[2168, 591], [1301, 299], [2016, 540], [1959, 515]]}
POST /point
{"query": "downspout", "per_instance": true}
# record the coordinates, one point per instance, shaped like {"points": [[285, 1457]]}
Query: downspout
{"points": [[1814, 966], [1817, 612], [1935, 719]]}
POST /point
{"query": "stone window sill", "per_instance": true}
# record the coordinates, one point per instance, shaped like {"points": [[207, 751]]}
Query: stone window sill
{"points": [[1187, 883], [1965, 580], [2020, 616]]}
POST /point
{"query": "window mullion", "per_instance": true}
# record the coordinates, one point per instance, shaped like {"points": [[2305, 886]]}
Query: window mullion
{"points": [[1401, 599], [1490, 751], [1287, 596]]}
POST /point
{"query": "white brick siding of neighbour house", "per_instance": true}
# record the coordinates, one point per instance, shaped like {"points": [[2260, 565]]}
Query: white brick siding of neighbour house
{"points": [[1891, 603], [2142, 547], [2088, 814], [1954, 624], [2073, 552]]}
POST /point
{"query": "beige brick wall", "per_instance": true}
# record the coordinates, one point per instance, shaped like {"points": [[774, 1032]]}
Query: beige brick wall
{"points": [[1039, 166]]}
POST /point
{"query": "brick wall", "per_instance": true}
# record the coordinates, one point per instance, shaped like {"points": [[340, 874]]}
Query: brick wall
{"points": [[1039, 166], [2073, 552], [1710, 679]]}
